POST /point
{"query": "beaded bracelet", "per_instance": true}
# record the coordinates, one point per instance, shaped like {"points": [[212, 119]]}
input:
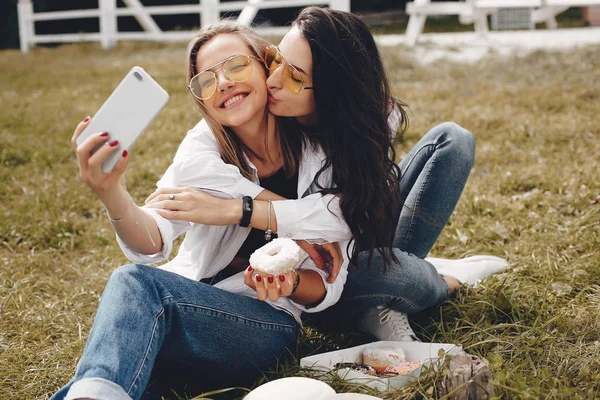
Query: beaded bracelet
{"points": [[111, 219], [268, 232], [297, 283]]}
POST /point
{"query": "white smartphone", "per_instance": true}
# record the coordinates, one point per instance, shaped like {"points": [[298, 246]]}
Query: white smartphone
{"points": [[126, 113]]}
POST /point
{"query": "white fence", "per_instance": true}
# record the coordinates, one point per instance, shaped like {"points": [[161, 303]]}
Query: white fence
{"points": [[476, 12], [209, 11]]}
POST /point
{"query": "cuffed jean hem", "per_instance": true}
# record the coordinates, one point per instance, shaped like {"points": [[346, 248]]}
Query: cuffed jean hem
{"points": [[97, 389]]}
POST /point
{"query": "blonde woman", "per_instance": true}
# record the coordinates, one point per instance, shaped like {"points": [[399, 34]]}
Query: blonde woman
{"points": [[204, 319]]}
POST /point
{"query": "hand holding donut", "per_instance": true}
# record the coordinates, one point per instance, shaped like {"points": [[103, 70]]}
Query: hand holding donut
{"points": [[271, 287], [274, 265]]}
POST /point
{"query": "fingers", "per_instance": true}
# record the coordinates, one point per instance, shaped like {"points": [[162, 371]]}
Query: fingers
{"points": [[120, 166], [152, 196], [334, 252], [98, 158], [270, 287], [312, 252], [173, 214], [84, 150], [166, 192], [286, 283], [248, 278], [261, 287], [80, 127], [336, 255], [169, 198], [175, 199], [165, 204]]}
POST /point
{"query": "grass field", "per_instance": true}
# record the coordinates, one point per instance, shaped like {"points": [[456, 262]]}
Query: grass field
{"points": [[533, 198]]}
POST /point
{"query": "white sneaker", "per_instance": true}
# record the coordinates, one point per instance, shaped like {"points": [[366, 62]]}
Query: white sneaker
{"points": [[471, 270], [387, 324]]}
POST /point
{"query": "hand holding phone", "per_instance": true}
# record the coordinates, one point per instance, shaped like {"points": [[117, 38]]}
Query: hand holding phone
{"points": [[126, 113]]}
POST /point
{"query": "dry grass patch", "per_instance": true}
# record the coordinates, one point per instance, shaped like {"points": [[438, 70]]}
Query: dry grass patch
{"points": [[533, 197]]}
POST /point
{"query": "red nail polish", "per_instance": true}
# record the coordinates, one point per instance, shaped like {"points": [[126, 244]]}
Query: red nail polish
{"points": [[270, 279], [114, 143], [124, 153], [281, 278], [249, 268], [104, 134], [86, 119], [258, 278]]}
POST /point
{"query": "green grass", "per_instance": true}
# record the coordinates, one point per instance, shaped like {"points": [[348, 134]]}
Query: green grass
{"points": [[533, 197]]}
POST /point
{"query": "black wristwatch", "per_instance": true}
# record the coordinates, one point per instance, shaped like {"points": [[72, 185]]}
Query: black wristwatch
{"points": [[246, 211]]}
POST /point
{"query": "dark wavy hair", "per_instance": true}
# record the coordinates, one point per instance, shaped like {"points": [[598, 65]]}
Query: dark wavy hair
{"points": [[353, 101]]}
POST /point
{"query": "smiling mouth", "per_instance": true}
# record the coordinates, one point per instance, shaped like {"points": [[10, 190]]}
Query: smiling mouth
{"points": [[234, 100]]}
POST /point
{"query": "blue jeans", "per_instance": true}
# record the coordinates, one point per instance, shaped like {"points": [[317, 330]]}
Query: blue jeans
{"points": [[433, 176], [155, 330]]}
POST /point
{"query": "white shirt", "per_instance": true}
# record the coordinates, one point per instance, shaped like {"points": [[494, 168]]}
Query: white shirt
{"points": [[206, 249]]}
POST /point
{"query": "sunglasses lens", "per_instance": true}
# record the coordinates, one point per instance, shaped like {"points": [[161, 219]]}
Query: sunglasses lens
{"points": [[292, 79], [272, 58], [203, 85], [238, 69]]}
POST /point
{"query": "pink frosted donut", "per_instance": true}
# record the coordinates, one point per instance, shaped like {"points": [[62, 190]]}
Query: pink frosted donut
{"points": [[276, 257], [403, 368], [382, 357]]}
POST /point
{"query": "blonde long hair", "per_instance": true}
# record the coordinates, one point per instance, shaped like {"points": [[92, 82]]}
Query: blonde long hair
{"points": [[230, 146]]}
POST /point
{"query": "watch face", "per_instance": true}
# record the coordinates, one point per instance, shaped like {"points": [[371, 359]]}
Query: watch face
{"points": [[246, 211]]}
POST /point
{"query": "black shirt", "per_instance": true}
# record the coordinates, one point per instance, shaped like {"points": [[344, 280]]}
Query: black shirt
{"points": [[277, 183]]}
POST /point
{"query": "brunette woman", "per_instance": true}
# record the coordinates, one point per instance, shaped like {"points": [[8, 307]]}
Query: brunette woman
{"points": [[348, 110]]}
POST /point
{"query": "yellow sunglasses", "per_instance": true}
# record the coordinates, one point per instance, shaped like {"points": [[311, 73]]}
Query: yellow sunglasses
{"points": [[236, 68], [292, 79]]}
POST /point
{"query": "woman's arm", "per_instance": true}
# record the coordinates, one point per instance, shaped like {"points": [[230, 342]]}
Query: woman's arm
{"points": [[313, 218], [186, 204], [310, 288], [137, 229], [198, 165]]}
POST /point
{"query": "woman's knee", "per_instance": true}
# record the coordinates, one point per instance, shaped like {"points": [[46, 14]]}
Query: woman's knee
{"points": [[130, 276], [460, 136], [458, 141]]}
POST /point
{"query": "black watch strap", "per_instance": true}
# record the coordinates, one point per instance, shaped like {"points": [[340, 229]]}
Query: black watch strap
{"points": [[246, 211]]}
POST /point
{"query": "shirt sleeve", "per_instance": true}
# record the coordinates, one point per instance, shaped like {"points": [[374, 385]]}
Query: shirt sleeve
{"points": [[333, 291], [169, 231], [312, 218], [198, 164]]}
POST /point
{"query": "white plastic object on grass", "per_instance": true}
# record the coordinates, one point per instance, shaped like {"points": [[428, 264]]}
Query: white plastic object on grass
{"points": [[293, 388]]}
